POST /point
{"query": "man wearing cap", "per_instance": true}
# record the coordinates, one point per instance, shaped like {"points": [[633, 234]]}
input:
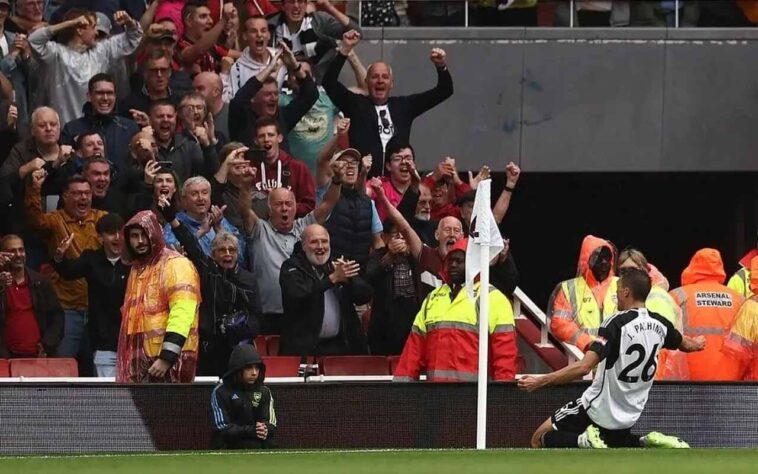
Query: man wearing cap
{"points": [[354, 225], [77, 56], [445, 336]]}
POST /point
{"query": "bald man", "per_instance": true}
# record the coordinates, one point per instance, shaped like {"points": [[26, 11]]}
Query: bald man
{"points": [[209, 85], [503, 273], [271, 242], [378, 117], [320, 295]]}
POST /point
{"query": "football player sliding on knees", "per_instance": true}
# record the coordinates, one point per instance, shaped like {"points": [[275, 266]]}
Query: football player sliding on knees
{"points": [[624, 356]]}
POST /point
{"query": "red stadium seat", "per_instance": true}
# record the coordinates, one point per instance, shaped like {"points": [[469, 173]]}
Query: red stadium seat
{"points": [[273, 345], [393, 363], [282, 366], [44, 368], [355, 365], [4, 369], [261, 346]]}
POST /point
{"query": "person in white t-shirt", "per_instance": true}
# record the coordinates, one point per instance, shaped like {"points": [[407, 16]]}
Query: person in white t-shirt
{"points": [[625, 358]]}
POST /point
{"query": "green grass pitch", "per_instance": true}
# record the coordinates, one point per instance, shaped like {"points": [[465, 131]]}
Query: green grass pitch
{"points": [[727, 461]]}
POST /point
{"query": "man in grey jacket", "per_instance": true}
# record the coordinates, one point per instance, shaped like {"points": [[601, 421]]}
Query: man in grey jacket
{"points": [[79, 56]]}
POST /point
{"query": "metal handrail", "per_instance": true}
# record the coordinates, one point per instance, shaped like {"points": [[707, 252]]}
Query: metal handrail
{"points": [[521, 300]]}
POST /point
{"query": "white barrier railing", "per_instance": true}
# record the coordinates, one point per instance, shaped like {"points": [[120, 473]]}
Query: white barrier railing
{"points": [[522, 301]]}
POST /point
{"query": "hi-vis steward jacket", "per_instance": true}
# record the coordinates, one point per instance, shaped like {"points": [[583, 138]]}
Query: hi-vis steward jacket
{"points": [[577, 307], [742, 341], [740, 281], [444, 339], [708, 309]]}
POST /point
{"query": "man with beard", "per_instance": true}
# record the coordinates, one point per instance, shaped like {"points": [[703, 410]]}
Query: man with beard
{"points": [[449, 231], [272, 241], [377, 118], [259, 97], [100, 116], [230, 301], [204, 220], [79, 56], [256, 56], [187, 157], [445, 335], [106, 277], [577, 307], [31, 318], [77, 218], [319, 295], [158, 339]]}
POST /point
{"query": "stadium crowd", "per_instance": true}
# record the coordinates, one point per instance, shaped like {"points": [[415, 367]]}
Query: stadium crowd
{"points": [[180, 179]]}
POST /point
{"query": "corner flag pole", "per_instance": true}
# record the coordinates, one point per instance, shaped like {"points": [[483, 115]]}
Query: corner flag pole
{"points": [[484, 311], [484, 244]]}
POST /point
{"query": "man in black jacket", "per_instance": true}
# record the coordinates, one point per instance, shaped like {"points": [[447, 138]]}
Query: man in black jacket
{"points": [[106, 277], [242, 408], [319, 296], [376, 118], [99, 115], [230, 308], [21, 289]]}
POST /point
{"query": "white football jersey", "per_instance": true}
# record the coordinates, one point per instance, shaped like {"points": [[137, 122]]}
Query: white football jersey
{"points": [[628, 344]]}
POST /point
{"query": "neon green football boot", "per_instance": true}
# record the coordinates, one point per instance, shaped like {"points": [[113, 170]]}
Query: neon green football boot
{"points": [[655, 439], [593, 437]]}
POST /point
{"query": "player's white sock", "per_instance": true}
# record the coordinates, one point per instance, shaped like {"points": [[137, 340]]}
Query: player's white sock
{"points": [[583, 442]]}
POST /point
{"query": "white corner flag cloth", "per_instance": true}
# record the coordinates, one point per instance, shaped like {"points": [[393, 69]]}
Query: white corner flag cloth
{"points": [[484, 235]]}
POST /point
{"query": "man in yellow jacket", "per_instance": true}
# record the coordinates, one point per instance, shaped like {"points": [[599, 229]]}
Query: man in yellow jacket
{"points": [[159, 319]]}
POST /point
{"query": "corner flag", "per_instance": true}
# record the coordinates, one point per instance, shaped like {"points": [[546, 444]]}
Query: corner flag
{"points": [[484, 243], [484, 236]]}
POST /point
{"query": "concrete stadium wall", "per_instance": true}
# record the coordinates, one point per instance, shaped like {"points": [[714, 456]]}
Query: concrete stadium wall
{"points": [[582, 100], [76, 418]]}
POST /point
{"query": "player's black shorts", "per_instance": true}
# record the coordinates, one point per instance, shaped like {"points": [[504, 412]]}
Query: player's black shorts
{"points": [[571, 417]]}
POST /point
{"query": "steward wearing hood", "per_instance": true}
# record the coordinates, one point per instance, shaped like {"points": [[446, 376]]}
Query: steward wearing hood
{"points": [[158, 340], [242, 408], [708, 309], [319, 296], [578, 307], [742, 341], [444, 340]]}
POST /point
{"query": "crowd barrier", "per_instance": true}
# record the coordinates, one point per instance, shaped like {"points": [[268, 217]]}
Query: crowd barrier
{"points": [[67, 418]]}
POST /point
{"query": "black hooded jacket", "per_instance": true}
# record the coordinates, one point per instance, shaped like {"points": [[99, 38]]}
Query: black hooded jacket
{"points": [[236, 407]]}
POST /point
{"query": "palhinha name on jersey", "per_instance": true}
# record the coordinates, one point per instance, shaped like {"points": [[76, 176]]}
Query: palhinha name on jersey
{"points": [[711, 299], [650, 326]]}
